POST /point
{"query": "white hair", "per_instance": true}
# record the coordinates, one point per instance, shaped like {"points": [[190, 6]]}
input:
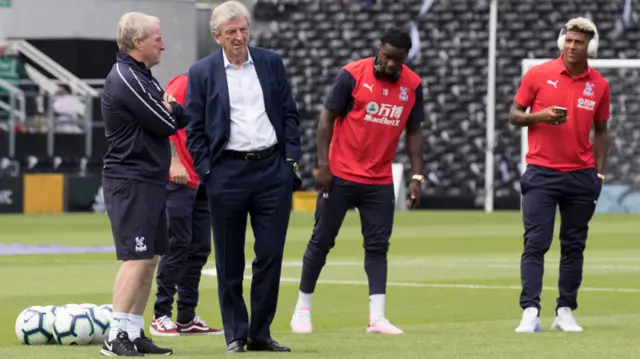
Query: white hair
{"points": [[229, 10], [581, 23], [133, 26]]}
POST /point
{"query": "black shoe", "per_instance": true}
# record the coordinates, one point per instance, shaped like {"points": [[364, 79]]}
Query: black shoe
{"points": [[236, 346], [121, 346], [266, 345], [146, 346]]}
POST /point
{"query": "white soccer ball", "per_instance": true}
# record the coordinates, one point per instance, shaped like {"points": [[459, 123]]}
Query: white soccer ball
{"points": [[73, 327], [72, 306], [88, 305], [108, 310], [51, 309], [101, 320], [34, 326]]}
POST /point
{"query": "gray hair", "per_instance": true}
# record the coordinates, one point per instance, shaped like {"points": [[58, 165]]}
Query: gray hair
{"points": [[229, 10], [133, 26]]}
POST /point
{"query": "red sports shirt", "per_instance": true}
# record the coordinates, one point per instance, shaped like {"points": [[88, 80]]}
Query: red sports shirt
{"points": [[177, 87], [373, 114], [587, 97]]}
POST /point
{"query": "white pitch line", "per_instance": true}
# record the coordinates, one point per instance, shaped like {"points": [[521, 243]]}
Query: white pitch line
{"points": [[458, 264], [212, 272]]}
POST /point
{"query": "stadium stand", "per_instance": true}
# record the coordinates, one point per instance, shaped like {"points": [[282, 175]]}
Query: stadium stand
{"points": [[317, 38]]}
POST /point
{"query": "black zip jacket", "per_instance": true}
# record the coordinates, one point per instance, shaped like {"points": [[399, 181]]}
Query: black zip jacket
{"points": [[137, 124]]}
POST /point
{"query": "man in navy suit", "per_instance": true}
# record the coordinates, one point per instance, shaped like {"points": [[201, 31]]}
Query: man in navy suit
{"points": [[245, 142]]}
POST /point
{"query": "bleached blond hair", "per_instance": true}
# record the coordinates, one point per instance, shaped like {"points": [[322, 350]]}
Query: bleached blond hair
{"points": [[581, 24], [229, 10], [134, 26]]}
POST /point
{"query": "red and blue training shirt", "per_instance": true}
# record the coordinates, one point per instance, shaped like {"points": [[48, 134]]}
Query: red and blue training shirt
{"points": [[373, 113], [587, 97]]}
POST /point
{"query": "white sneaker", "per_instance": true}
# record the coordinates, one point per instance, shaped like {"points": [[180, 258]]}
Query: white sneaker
{"points": [[565, 321], [301, 321], [530, 322], [163, 327], [383, 326]]}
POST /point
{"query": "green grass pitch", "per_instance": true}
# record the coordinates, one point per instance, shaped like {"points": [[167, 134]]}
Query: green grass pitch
{"points": [[453, 289]]}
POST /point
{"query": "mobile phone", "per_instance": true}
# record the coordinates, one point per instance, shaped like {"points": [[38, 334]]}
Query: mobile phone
{"points": [[560, 110], [411, 202]]}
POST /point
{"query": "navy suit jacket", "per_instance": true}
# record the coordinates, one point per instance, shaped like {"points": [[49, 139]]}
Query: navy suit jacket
{"points": [[209, 109]]}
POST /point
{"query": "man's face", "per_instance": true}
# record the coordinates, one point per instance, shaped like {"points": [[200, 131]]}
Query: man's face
{"points": [[391, 58], [575, 47], [151, 48], [234, 37]]}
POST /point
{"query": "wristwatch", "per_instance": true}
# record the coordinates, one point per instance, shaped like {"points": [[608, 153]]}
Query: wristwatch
{"points": [[293, 164], [601, 176], [419, 178]]}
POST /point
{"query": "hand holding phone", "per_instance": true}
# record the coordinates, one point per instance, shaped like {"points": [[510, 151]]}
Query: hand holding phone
{"points": [[553, 115], [560, 110]]}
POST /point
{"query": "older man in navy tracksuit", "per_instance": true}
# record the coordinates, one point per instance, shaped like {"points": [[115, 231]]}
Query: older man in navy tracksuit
{"points": [[139, 118], [245, 141]]}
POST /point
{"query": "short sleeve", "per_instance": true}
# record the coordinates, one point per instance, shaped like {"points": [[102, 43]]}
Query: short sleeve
{"points": [[604, 108], [177, 88], [417, 113], [526, 93], [341, 92]]}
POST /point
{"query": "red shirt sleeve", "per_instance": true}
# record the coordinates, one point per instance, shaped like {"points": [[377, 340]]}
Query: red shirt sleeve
{"points": [[177, 87], [602, 113], [527, 91]]}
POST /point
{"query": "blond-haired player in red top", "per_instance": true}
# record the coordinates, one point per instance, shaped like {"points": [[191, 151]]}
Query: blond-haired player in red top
{"points": [[373, 100], [564, 170]]}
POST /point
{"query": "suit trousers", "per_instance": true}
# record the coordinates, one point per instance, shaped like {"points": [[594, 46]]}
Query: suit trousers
{"points": [[261, 190]]}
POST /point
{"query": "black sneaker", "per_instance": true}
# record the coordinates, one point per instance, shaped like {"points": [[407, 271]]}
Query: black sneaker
{"points": [[121, 346], [145, 346]]}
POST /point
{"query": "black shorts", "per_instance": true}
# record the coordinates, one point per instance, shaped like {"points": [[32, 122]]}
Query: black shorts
{"points": [[137, 212]]}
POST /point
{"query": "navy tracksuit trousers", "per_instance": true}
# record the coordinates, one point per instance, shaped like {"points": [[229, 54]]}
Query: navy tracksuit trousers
{"points": [[574, 194], [376, 206], [189, 248]]}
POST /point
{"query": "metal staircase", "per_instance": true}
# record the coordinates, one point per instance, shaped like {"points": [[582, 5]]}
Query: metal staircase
{"points": [[48, 84]]}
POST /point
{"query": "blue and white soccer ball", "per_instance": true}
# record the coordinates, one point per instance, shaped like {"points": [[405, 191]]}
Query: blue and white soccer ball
{"points": [[34, 326], [73, 326], [101, 320]]}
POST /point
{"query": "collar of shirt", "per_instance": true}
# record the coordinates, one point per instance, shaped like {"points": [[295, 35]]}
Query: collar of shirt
{"points": [[227, 63], [128, 59], [563, 70]]}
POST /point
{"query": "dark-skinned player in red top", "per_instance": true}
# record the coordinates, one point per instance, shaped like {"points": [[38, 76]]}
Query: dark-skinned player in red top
{"points": [[373, 100], [189, 239], [564, 169]]}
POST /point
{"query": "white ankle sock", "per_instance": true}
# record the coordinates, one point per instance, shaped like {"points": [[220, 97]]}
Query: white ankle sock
{"points": [[136, 323], [376, 306], [304, 301], [120, 322]]}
